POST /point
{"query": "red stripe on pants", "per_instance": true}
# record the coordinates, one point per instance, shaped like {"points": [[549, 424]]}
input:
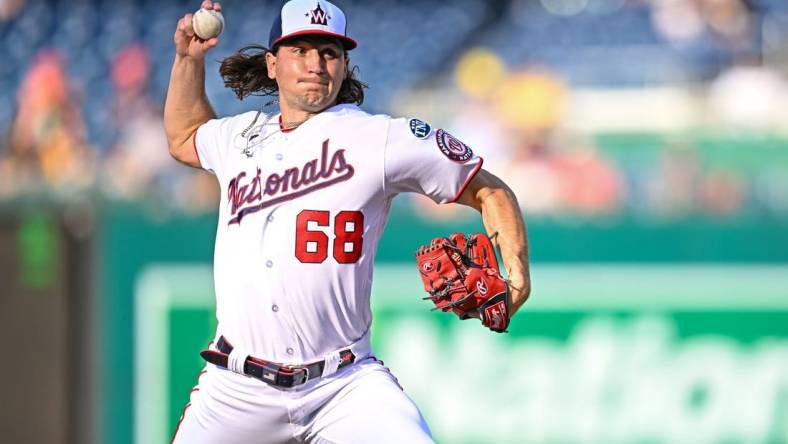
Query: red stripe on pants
{"points": [[183, 415]]}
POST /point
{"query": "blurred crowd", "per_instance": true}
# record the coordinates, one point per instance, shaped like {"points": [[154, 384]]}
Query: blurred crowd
{"points": [[84, 117], [728, 159], [49, 151]]}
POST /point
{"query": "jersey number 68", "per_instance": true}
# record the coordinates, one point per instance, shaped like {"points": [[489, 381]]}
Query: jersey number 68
{"points": [[311, 246]]}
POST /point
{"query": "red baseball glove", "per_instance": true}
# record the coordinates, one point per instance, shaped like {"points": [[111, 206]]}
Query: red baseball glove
{"points": [[461, 275]]}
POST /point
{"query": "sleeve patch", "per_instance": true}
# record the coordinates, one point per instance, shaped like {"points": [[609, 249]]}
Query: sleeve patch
{"points": [[452, 148], [420, 128]]}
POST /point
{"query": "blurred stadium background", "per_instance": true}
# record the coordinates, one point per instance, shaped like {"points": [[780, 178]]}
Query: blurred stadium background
{"points": [[646, 140]]}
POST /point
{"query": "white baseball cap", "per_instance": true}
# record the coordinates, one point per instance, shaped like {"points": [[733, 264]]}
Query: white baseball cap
{"points": [[310, 17]]}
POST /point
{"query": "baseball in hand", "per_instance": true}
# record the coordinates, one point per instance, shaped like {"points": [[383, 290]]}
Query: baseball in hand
{"points": [[207, 23]]}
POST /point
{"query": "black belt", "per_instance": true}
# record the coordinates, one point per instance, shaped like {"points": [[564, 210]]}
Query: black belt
{"points": [[271, 372]]}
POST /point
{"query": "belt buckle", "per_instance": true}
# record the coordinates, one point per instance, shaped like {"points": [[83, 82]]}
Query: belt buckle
{"points": [[304, 374], [298, 376]]}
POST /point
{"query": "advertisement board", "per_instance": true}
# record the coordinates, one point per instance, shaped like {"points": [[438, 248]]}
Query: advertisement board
{"points": [[614, 353]]}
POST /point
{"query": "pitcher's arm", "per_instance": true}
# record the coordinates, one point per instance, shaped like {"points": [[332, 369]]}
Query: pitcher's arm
{"points": [[187, 106]]}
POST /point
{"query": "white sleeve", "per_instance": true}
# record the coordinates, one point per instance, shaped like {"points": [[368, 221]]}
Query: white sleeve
{"points": [[215, 138], [421, 159]]}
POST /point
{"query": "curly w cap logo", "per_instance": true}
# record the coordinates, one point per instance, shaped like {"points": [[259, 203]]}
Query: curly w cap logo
{"points": [[317, 16]]}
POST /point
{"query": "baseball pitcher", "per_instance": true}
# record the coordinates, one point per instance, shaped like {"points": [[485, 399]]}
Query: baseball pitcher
{"points": [[305, 194]]}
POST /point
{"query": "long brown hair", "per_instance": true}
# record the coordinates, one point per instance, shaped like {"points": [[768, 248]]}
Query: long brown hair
{"points": [[246, 73]]}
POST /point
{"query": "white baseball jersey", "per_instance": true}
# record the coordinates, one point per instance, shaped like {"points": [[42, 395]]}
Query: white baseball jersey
{"points": [[300, 217]]}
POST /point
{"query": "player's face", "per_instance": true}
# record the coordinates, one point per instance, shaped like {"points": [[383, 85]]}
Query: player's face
{"points": [[309, 72]]}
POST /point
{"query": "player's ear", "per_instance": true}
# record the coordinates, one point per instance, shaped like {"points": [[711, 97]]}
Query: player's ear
{"points": [[270, 63]]}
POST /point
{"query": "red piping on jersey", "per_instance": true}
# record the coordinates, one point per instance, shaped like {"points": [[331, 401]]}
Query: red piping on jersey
{"points": [[468, 180], [285, 130], [194, 143]]}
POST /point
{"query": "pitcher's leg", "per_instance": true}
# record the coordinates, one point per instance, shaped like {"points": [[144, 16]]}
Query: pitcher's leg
{"points": [[371, 408], [224, 410]]}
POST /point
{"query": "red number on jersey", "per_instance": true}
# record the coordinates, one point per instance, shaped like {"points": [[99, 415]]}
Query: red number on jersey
{"points": [[311, 246], [348, 236]]}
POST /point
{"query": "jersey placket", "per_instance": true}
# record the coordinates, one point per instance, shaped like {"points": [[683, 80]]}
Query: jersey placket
{"points": [[279, 309], [272, 251]]}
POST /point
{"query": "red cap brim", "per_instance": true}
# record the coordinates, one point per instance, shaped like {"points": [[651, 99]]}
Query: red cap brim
{"points": [[347, 42]]}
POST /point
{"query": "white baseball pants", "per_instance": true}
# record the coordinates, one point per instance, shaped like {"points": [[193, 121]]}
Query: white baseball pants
{"points": [[361, 403]]}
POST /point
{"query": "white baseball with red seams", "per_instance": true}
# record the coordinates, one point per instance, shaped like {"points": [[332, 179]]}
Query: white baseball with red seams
{"points": [[300, 218], [207, 23]]}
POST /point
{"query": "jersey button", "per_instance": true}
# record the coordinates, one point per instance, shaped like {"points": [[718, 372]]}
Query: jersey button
{"points": [[290, 351], [270, 218], [275, 307], [279, 156], [269, 264]]}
